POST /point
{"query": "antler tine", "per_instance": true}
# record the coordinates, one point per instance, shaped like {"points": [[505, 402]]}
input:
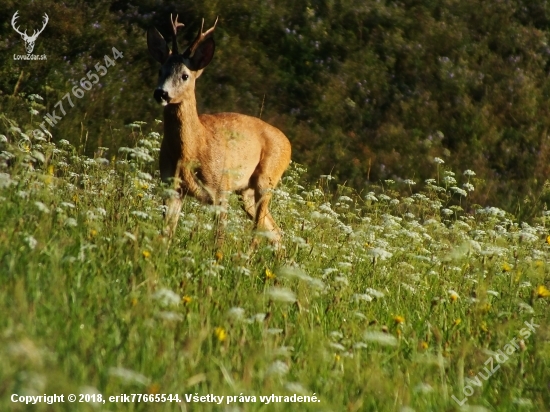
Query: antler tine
{"points": [[175, 25], [45, 22], [14, 22], [201, 36]]}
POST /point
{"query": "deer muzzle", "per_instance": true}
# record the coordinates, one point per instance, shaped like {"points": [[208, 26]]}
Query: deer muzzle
{"points": [[161, 96]]}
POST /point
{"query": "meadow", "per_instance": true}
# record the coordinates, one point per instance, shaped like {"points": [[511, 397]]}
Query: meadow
{"points": [[377, 301]]}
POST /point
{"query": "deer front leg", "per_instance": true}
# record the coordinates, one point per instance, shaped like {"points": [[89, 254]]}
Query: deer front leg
{"points": [[172, 214]]}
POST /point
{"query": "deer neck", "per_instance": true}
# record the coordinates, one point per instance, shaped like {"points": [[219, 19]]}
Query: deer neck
{"points": [[182, 125]]}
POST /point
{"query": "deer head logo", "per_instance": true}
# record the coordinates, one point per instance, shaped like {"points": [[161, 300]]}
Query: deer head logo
{"points": [[29, 40]]}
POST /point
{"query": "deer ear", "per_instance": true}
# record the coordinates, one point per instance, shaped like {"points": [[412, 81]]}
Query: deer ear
{"points": [[157, 45], [203, 55]]}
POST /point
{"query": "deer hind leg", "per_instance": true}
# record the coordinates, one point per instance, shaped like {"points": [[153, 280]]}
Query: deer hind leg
{"points": [[263, 219], [222, 202], [248, 202]]}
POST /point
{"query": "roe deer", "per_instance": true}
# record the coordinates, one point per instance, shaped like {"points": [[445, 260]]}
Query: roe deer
{"points": [[211, 155]]}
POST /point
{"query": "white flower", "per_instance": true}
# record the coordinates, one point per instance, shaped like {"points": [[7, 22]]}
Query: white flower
{"points": [[236, 313], [335, 334], [170, 316], [469, 187], [281, 294], [375, 293], [293, 272], [166, 297], [439, 160], [31, 241], [379, 253], [362, 296], [42, 207], [129, 376], [71, 222], [381, 338], [284, 351], [423, 388], [140, 214], [130, 236], [297, 388], [460, 191], [278, 368], [337, 346], [449, 180], [409, 182], [469, 173], [370, 196]]}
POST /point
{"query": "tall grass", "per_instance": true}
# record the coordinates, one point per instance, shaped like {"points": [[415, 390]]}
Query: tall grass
{"points": [[376, 302]]}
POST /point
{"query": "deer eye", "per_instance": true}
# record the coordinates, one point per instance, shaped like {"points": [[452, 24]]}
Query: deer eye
{"points": [[184, 77]]}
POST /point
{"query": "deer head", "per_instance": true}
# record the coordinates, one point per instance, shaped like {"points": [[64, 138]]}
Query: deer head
{"points": [[29, 40], [179, 71]]}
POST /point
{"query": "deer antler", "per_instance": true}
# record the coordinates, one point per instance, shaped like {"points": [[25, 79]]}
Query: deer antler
{"points": [[25, 35], [200, 38], [13, 23], [175, 25], [35, 34]]}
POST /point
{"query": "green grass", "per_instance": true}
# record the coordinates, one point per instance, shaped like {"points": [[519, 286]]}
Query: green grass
{"points": [[377, 302]]}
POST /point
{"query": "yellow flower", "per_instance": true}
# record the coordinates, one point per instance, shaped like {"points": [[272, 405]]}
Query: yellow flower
{"points": [[134, 301], [539, 263], [75, 198], [548, 239], [51, 170], [146, 254], [506, 267], [93, 233], [453, 295], [484, 326], [220, 333], [542, 292], [486, 308], [186, 299], [269, 274], [424, 345], [398, 319], [153, 389], [457, 322], [311, 205], [336, 357], [219, 255]]}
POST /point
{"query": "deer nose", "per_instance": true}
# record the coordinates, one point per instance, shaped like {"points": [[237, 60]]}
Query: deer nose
{"points": [[161, 95]]}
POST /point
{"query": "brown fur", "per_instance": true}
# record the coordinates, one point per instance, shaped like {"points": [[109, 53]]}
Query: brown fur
{"points": [[210, 156]]}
